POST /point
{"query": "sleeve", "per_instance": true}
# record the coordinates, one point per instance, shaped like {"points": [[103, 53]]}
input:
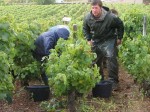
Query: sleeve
{"points": [[86, 30], [44, 43], [120, 27], [49, 41], [49, 44], [39, 45]]}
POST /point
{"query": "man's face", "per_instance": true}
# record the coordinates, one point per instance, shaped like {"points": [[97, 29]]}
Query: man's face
{"points": [[96, 10]]}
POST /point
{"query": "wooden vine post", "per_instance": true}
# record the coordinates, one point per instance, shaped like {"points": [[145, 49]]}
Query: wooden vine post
{"points": [[71, 93], [144, 25], [75, 31], [71, 101]]}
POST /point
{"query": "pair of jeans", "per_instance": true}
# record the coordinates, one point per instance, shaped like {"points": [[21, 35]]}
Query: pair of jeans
{"points": [[44, 76], [107, 50], [39, 57]]}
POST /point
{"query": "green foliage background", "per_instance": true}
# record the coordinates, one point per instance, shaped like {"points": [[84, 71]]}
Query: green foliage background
{"points": [[21, 24]]}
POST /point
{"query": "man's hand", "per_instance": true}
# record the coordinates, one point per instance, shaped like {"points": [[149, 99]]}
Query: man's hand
{"points": [[119, 41], [90, 43]]}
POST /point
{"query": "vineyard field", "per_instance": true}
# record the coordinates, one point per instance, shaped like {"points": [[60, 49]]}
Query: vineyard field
{"points": [[20, 25]]}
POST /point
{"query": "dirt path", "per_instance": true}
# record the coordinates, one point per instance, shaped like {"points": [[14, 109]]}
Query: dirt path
{"points": [[126, 99]]}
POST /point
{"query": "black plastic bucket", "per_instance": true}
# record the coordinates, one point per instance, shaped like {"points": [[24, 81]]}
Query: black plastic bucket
{"points": [[103, 89], [39, 92]]}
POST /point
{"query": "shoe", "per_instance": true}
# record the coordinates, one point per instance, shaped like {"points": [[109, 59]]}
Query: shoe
{"points": [[115, 85]]}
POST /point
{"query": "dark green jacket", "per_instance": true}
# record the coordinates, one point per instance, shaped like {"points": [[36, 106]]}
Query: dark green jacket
{"points": [[103, 28]]}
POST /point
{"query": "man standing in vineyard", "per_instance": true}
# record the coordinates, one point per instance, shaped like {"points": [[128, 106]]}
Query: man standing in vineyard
{"points": [[99, 27], [47, 41]]}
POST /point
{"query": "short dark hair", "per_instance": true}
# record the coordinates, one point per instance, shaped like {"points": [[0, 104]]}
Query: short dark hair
{"points": [[97, 2]]}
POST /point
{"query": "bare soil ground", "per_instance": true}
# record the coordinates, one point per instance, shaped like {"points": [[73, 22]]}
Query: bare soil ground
{"points": [[127, 98]]}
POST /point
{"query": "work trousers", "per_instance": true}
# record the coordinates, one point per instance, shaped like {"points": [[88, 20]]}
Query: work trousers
{"points": [[39, 57], [107, 50]]}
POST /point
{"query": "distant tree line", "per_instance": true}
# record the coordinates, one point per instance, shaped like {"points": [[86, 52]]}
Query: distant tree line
{"points": [[39, 2], [44, 2]]}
